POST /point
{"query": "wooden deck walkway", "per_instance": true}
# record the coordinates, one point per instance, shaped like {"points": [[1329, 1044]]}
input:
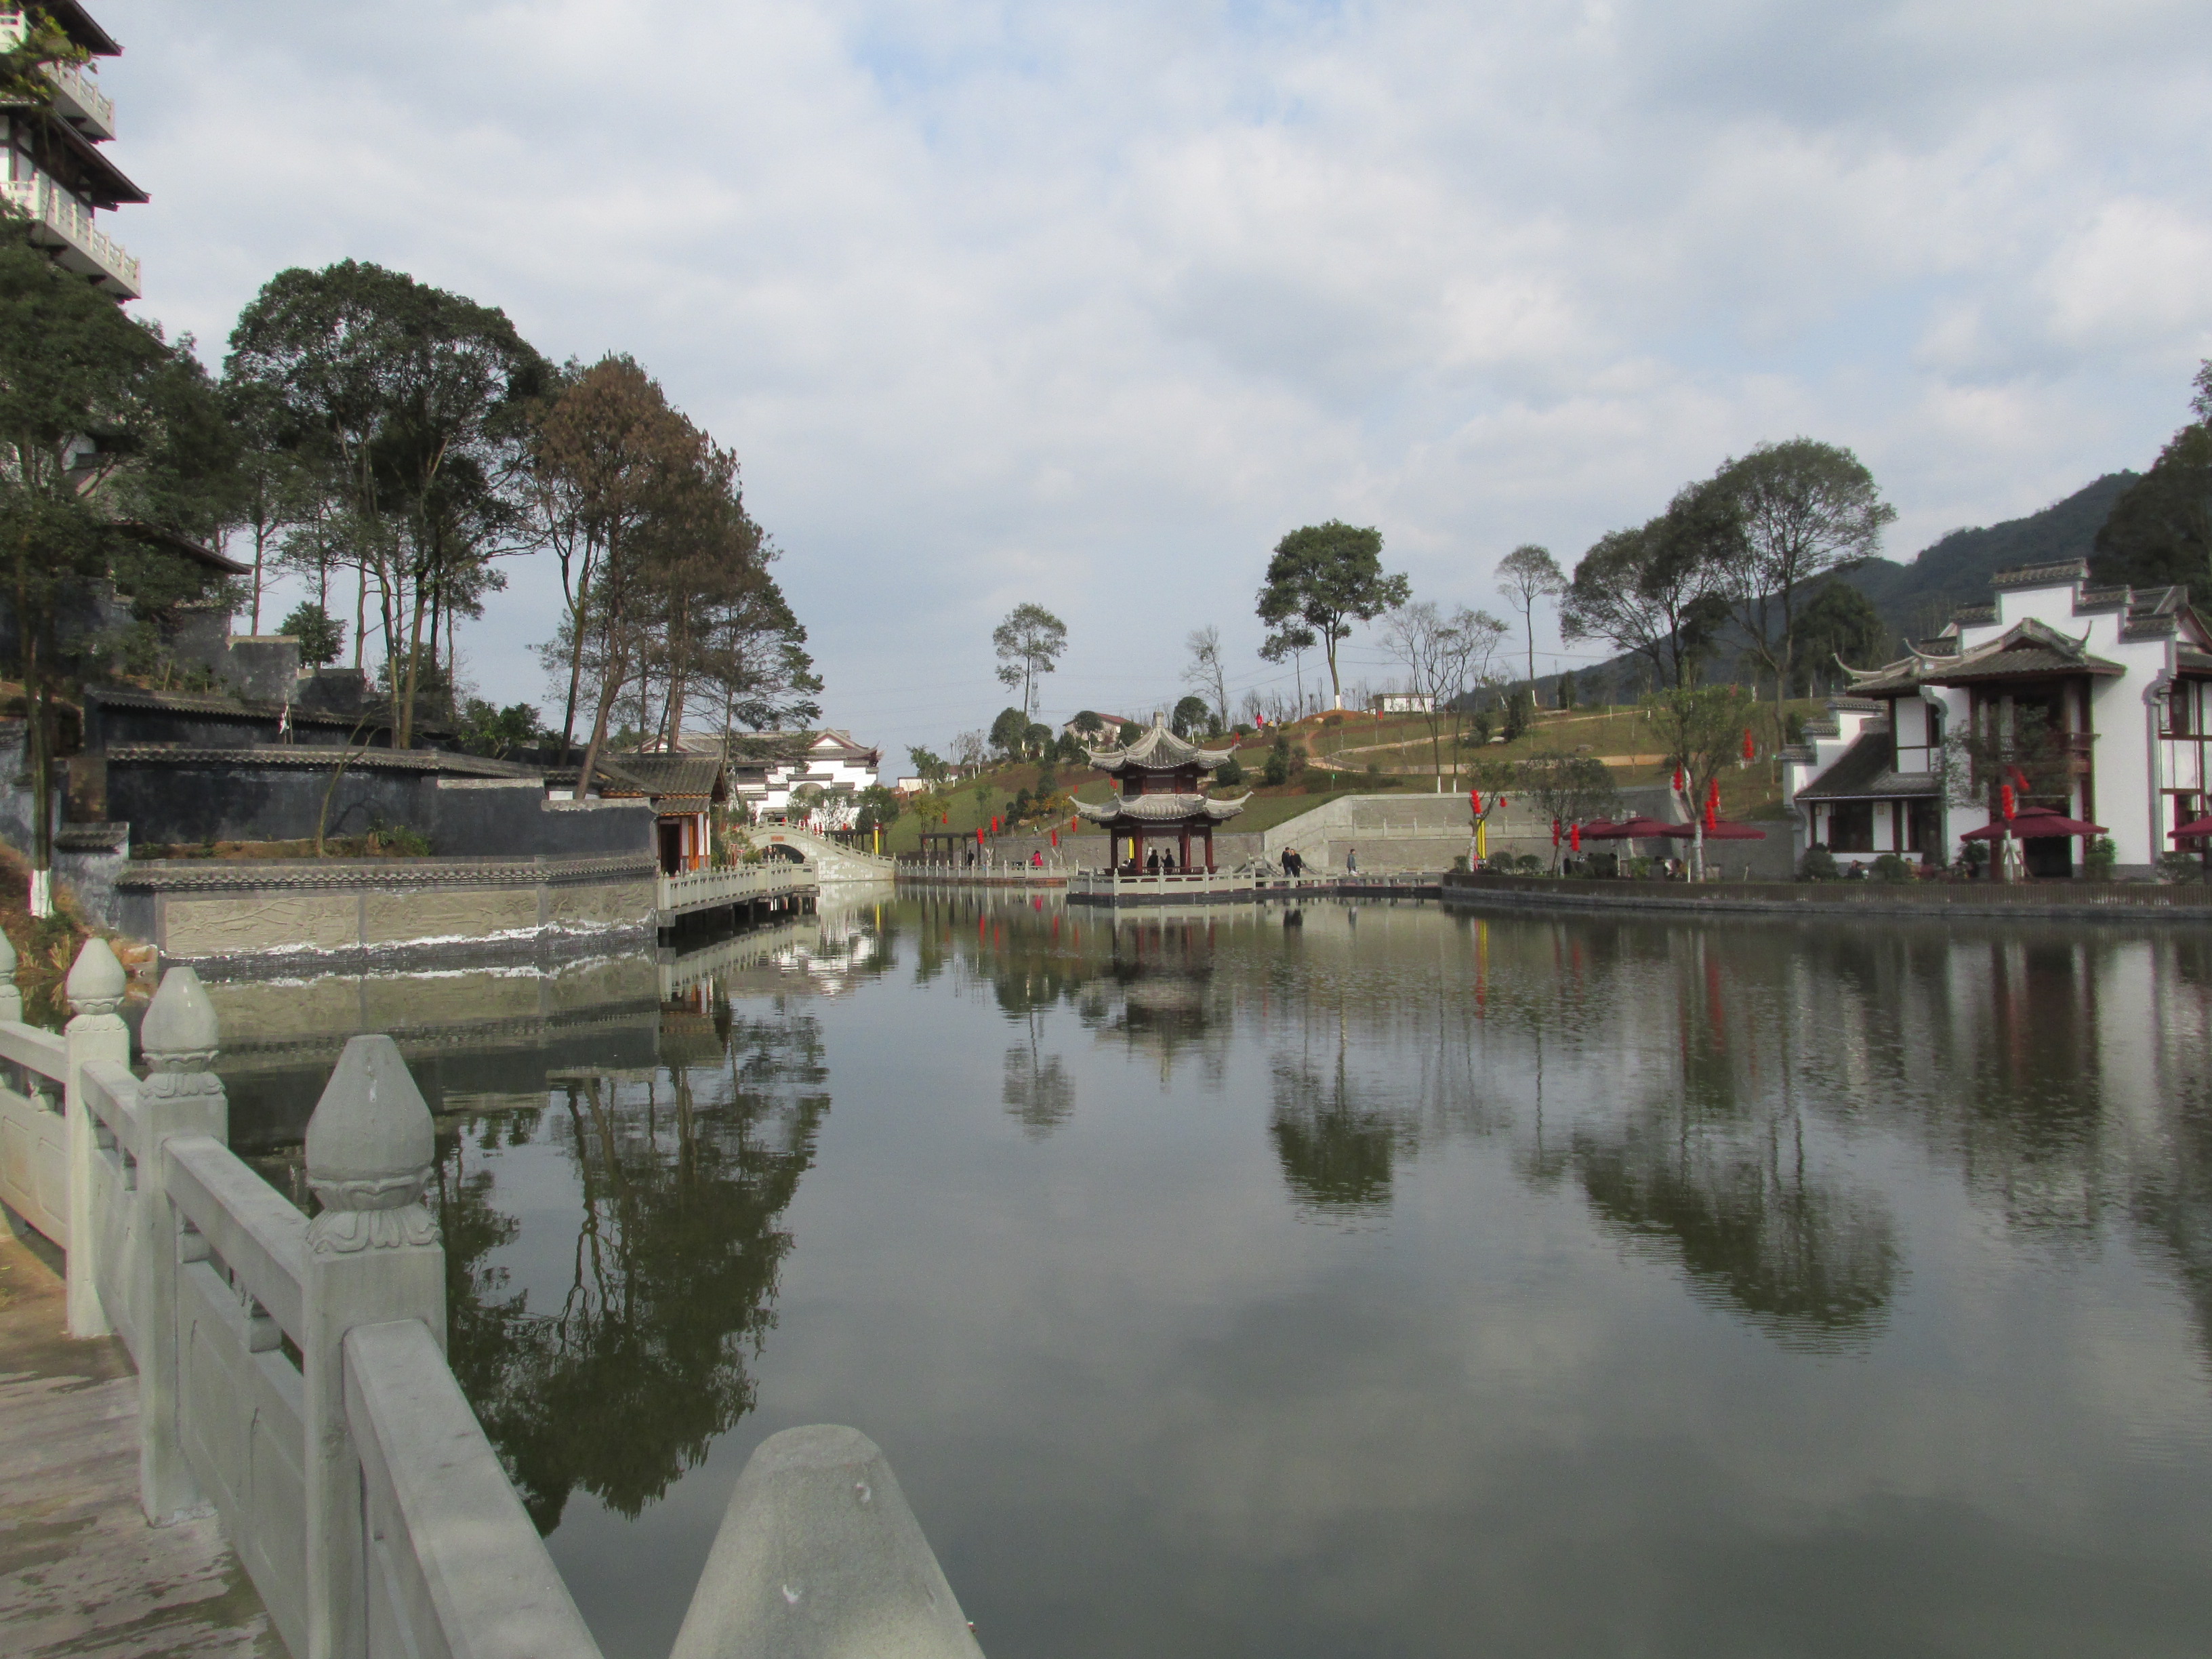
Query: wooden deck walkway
{"points": [[80, 1573]]}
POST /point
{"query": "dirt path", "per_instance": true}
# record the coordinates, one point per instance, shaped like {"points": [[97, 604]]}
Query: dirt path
{"points": [[80, 1573]]}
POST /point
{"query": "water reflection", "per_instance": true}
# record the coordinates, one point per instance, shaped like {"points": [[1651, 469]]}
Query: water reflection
{"points": [[683, 1177]]}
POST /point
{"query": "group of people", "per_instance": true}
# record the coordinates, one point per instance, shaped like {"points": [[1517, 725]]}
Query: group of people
{"points": [[1159, 861]]}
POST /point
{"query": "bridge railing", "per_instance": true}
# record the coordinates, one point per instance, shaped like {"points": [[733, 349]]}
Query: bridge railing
{"points": [[292, 1372], [698, 889]]}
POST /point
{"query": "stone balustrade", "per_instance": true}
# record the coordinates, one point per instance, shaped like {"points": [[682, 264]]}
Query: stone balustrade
{"points": [[292, 1373]]}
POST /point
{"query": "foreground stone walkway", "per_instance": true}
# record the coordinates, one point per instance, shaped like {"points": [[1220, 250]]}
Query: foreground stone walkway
{"points": [[80, 1573]]}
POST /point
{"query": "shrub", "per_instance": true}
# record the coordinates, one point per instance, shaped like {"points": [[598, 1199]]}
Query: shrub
{"points": [[1277, 770], [1229, 772], [1818, 863], [2102, 857], [2180, 866], [1890, 867], [1459, 863], [1528, 864]]}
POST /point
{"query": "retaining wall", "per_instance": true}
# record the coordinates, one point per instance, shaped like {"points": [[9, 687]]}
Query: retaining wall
{"points": [[2070, 900], [334, 913]]}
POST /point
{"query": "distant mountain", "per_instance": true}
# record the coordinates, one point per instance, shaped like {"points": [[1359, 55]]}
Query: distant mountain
{"points": [[1917, 599]]}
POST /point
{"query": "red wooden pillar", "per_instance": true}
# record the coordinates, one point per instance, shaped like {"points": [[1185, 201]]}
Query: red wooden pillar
{"points": [[1182, 862]]}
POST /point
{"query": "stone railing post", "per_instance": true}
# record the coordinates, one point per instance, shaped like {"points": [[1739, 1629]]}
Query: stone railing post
{"points": [[94, 987], [11, 995], [373, 1256], [819, 1556], [181, 1096]]}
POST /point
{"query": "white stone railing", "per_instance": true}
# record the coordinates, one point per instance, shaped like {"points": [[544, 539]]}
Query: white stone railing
{"points": [[743, 884], [292, 1373], [50, 205]]}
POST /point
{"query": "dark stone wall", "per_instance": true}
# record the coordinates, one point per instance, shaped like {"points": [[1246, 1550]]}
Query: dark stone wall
{"points": [[167, 802]]}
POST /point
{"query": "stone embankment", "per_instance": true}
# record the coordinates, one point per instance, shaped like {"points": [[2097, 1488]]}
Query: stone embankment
{"points": [[2078, 901]]}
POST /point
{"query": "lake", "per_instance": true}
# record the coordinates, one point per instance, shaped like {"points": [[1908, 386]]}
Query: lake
{"points": [[1377, 1280]]}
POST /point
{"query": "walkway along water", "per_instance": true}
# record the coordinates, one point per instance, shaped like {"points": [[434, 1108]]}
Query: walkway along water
{"points": [[292, 1378]]}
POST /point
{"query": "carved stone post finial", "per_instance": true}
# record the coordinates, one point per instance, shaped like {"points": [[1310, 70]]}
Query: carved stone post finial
{"points": [[180, 1040], [369, 1146], [96, 980], [372, 1257]]}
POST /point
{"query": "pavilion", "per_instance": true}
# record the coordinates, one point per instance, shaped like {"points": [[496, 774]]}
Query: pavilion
{"points": [[1161, 798]]}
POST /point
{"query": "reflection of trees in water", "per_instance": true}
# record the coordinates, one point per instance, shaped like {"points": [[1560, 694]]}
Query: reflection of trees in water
{"points": [[673, 1276], [1337, 1155], [1804, 1260], [1038, 1090]]}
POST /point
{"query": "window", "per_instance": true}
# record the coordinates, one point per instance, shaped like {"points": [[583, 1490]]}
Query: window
{"points": [[1850, 827]]}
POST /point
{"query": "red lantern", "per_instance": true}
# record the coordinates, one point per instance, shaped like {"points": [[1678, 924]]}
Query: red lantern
{"points": [[994, 826], [1712, 814], [1055, 838], [1555, 832], [1474, 801], [979, 834], [1575, 838], [1677, 780], [1750, 749], [2005, 797]]}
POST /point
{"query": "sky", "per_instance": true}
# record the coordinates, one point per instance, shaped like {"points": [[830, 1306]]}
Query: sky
{"points": [[1089, 305]]}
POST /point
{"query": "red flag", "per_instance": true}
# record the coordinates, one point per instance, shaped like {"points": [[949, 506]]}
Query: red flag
{"points": [[2005, 796]]}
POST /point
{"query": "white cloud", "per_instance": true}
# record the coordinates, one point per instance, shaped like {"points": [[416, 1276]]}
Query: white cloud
{"points": [[1091, 304]]}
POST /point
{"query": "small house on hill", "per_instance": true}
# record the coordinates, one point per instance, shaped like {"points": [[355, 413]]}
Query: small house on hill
{"points": [[684, 791]]}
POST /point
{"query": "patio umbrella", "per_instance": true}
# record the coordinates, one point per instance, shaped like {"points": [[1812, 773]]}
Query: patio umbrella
{"points": [[1607, 829], [1640, 828], [2196, 831], [2033, 823]]}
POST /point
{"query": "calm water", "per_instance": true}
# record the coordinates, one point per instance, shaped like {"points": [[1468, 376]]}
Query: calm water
{"points": [[1394, 1282]]}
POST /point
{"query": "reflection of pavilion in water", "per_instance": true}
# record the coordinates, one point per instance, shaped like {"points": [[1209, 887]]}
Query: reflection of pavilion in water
{"points": [[1154, 989]]}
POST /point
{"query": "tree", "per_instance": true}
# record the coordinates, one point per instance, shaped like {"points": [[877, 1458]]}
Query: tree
{"points": [[879, 809], [930, 767], [2159, 533], [410, 401], [1570, 788], [1840, 623], [496, 732], [1702, 727], [102, 426], [1010, 733], [1527, 574], [1324, 578], [1292, 640], [276, 491], [1654, 591], [322, 638], [1802, 509], [622, 474], [1090, 723], [1190, 717], [2005, 743], [1444, 656], [1205, 674], [1028, 644]]}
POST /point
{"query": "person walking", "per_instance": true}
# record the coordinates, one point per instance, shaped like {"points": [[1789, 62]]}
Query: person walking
{"points": [[1352, 861]]}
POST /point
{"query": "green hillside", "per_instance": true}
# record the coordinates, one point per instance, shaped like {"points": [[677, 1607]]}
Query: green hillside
{"points": [[1917, 599]]}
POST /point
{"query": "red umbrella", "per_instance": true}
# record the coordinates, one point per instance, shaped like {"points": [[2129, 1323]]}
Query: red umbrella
{"points": [[1600, 829], [2034, 823], [2195, 832], [1641, 828], [1716, 829]]}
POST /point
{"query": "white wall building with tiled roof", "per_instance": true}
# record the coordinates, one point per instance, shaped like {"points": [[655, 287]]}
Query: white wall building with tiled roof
{"points": [[2122, 676], [766, 769]]}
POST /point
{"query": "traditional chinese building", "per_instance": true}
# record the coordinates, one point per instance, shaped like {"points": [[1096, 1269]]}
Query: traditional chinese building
{"points": [[2117, 676], [57, 176], [1161, 798]]}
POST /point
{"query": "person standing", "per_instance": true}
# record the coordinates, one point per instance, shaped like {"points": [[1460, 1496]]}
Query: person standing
{"points": [[1352, 861]]}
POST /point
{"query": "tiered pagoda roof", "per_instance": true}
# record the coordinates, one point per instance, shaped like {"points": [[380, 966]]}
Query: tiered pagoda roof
{"points": [[1159, 774]]}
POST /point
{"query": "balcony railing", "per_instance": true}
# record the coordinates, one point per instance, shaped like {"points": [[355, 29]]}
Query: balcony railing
{"points": [[79, 101], [85, 249]]}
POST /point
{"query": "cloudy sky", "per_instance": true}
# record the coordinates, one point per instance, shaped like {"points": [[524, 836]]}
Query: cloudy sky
{"points": [[1090, 304]]}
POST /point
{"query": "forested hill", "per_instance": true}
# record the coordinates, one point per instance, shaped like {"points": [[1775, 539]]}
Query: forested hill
{"points": [[1915, 599]]}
